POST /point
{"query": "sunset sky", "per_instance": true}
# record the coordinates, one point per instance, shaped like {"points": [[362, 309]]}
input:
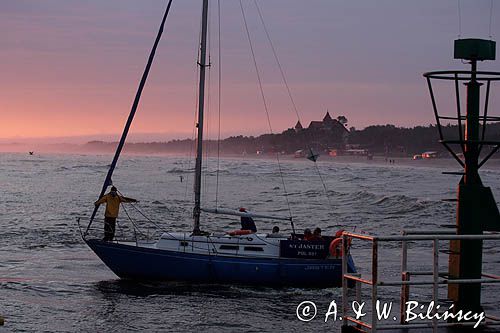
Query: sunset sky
{"points": [[70, 68]]}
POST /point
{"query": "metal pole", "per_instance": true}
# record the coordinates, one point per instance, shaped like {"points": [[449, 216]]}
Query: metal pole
{"points": [[404, 255], [472, 129], [435, 275], [375, 282], [131, 115], [344, 283], [466, 255], [405, 276], [201, 104]]}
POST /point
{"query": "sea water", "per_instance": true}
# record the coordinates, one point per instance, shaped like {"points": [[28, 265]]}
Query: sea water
{"points": [[51, 282]]}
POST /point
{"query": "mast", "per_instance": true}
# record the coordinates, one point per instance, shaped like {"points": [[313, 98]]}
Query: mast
{"points": [[201, 104]]}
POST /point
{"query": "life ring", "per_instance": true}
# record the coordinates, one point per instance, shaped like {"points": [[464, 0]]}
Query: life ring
{"points": [[336, 247], [240, 232]]}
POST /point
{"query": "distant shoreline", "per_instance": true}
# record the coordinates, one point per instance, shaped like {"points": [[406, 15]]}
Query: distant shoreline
{"points": [[445, 163], [326, 136]]}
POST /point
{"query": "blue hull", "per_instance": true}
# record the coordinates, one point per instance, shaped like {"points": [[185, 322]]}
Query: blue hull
{"points": [[139, 263]]}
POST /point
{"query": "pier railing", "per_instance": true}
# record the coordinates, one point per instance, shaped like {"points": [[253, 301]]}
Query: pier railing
{"points": [[351, 323]]}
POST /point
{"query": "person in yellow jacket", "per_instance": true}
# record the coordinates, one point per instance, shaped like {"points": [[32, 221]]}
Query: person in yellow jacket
{"points": [[112, 200]]}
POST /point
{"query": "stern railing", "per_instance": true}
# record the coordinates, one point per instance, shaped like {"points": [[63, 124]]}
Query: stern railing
{"points": [[438, 279]]}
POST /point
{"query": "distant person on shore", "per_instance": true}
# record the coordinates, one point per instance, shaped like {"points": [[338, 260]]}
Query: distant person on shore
{"points": [[247, 223], [112, 200]]}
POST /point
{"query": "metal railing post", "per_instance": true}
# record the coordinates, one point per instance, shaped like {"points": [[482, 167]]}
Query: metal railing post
{"points": [[405, 276], [404, 255], [375, 282], [405, 289], [435, 275], [357, 286], [438, 279], [344, 281], [405, 295]]}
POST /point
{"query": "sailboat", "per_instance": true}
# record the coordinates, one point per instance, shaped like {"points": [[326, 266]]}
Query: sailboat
{"points": [[204, 257]]}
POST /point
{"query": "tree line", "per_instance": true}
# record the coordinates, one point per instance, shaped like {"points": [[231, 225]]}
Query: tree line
{"points": [[377, 139]]}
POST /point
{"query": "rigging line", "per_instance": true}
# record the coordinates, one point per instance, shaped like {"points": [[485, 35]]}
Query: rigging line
{"points": [[148, 219], [277, 61], [139, 211], [207, 130], [219, 70], [325, 188], [135, 104], [120, 230], [193, 132], [324, 185], [191, 146], [132, 221], [491, 17], [159, 227], [459, 19], [265, 105], [193, 136], [208, 111], [256, 69], [294, 105]]}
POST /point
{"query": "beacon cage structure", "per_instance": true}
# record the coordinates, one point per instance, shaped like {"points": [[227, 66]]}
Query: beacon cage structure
{"points": [[477, 211]]}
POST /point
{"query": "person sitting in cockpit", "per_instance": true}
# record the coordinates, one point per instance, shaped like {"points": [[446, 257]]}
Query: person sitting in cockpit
{"points": [[247, 223], [307, 234], [275, 233], [316, 235]]}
